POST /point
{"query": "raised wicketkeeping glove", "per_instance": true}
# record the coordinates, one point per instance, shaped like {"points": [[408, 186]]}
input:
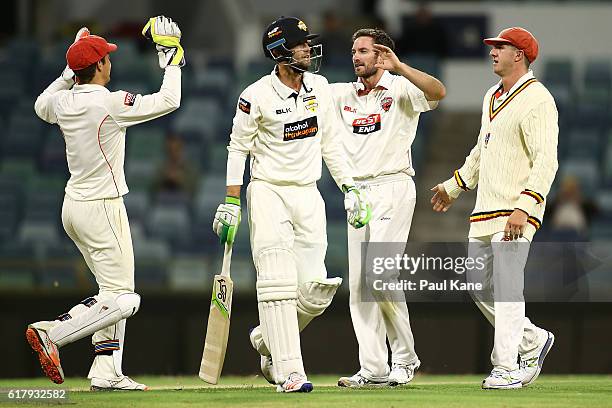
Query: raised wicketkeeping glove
{"points": [[227, 219], [67, 73], [357, 206], [166, 35]]}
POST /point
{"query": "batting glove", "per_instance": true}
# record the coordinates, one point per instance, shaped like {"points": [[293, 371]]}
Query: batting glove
{"points": [[166, 35], [68, 74], [227, 219], [357, 206]]}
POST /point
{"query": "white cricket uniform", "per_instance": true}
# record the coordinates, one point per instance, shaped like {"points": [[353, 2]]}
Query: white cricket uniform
{"points": [[380, 127], [93, 121], [286, 133], [514, 164]]}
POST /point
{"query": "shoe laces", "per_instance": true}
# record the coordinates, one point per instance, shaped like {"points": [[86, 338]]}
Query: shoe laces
{"points": [[499, 373]]}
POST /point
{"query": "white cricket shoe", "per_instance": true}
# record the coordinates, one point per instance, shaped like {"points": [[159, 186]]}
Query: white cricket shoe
{"points": [[532, 366], [295, 383], [403, 373], [124, 383], [267, 368], [358, 381], [500, 379], [47, 351]]}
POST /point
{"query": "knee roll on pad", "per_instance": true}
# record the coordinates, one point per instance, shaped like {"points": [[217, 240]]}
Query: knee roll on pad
{"points": [[273, 290]]}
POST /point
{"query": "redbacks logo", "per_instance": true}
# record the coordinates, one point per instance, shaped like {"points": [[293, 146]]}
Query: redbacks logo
{"points": [[129, 99], [386, 103], [301, 129], [367, 125]]}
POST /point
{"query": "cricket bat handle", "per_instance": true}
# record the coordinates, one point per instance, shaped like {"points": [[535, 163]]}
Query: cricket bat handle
{"points": [[227, 260]]}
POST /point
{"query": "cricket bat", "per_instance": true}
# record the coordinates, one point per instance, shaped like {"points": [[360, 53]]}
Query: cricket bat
{"points": [[217, 331]]}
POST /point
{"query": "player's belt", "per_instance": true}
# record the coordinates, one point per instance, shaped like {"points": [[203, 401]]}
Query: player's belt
{"points": [[383, 179]]}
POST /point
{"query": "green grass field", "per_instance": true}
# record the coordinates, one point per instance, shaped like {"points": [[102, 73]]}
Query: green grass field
{"points": [[424, 391]]}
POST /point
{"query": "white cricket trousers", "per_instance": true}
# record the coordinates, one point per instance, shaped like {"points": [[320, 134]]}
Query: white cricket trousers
{"points": [[288, 243], [393, 199], [501, 300], [101, 231]]}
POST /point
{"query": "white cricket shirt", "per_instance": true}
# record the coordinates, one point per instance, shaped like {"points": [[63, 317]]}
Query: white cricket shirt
{"points": [[93, 121], [286, 133], [379, 127]]}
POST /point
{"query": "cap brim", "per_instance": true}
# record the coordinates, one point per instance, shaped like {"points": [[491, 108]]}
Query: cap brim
{"points": [[496, 40], [112, 47], [312, 36]]}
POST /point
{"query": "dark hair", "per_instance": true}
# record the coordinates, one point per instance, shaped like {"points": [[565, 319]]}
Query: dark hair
{"points": [[378, 35], [85, 75]]}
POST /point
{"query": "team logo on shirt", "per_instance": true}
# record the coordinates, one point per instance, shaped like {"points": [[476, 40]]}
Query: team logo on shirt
{"points": [[310, 103], [129, 99], [487, 137], [364, 126], [349, 109], [244, 105], [386, 103], [301, 129]]}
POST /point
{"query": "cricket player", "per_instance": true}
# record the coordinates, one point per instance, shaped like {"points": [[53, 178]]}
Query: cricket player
{"points": [[380, 113], [94, 121], [286, 122], [514, 164]]}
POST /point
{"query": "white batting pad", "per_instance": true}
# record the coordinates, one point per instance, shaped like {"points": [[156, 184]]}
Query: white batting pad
{"points": [[277, 299], [314, 297]]}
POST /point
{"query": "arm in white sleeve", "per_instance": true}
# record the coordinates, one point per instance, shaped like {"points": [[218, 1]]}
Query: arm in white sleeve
{"points": [[331, 144], [414, 97], [243, 134], [540, 132], [44, 103], [129, 109]]}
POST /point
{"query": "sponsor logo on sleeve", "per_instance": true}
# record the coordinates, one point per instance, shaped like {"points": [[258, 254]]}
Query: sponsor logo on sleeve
{"points": [[364, 126], [129, 99], [386, 103], [301, 129], [244, 105], [349, 109]]}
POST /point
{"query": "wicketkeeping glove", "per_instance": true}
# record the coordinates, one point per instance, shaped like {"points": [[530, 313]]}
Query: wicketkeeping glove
{"points": [[166, 35], [68, 74], [357, 206], [227, 219]]}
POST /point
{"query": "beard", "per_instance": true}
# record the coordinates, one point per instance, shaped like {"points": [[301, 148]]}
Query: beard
{"points": [[367, 71]]}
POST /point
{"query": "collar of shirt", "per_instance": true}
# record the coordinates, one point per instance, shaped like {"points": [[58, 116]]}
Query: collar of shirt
{"points": [[521, 81], [383, 83], [89, 88], [284, 91]]}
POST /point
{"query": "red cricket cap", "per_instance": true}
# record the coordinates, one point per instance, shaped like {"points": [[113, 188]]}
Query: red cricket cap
{"points": [[520, 38], [88, 50]]}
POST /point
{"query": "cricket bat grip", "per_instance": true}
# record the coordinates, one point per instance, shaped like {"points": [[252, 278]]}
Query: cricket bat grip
{"points": [[227, 260]]}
